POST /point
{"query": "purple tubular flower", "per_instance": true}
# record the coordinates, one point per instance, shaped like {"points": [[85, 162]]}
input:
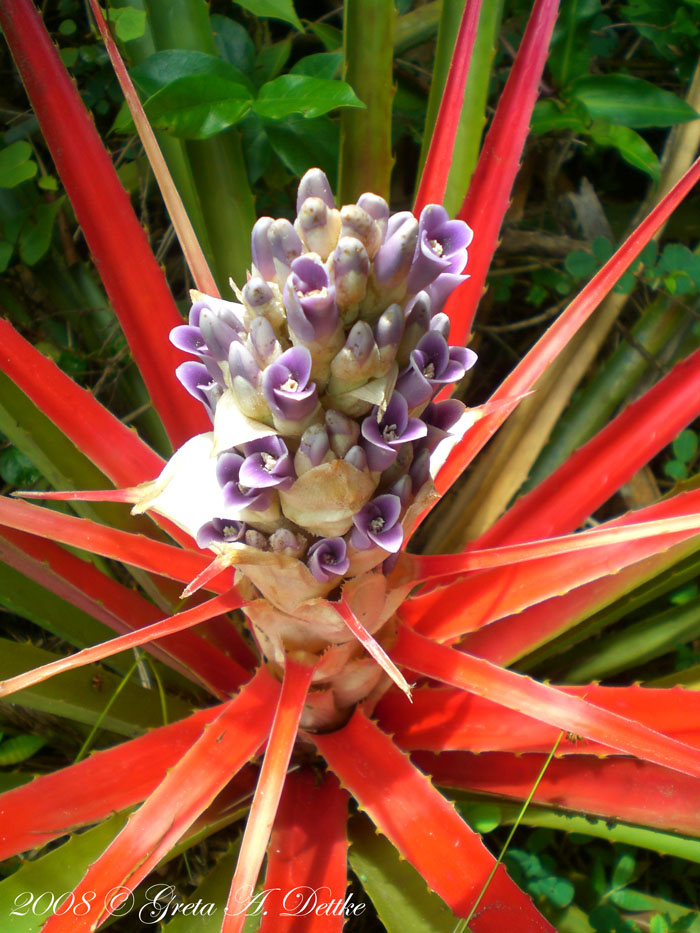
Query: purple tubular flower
{"points": [[433, 364], [383, 438], [440, 417], [261, 249], [220, 531], [189, 339], [394, 257], [442, 247], [441, 323], [310, 300], [442, 287], [228, 469], [403, 488], [286, 385], [195, 377], [388, 330], [327, 559], [267, 464], [377, 523], [218, 335], [314, 184]]}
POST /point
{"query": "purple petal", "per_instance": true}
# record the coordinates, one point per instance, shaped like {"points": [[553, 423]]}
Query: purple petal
{"points": [[189, 340], [314, 184]]}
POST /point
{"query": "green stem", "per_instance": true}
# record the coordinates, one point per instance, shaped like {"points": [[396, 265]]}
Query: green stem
{"points": [[365, 135], [217, 164], [417, 26], [473, 116]]}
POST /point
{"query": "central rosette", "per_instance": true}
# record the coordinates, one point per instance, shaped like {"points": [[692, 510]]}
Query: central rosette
{"points": [[320, 382]]}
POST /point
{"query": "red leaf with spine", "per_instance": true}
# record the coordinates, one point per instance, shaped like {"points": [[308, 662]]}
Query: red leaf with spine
{"points": [[530, 368], [484, 597], [55, 804], [424, 826], [599, 468], [137, 550], [488, 196], [171, 624], [233, 737], [612, 788], [447, 719], [114, 448], [124, 610], [132, 278], [307, 853], [280, 744], [433, 181], [562, 710]]}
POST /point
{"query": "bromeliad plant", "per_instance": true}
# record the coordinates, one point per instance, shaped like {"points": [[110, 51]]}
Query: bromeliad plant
{"points": [[319, 438]]}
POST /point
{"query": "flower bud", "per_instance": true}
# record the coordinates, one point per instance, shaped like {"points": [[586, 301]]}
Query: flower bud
{"points": [[318, 226], [255, 538], [314, 449], [261, 249], [388, 332], [356, 457], [350, 264], [393, 260], [417, 324], [377, 208], [314, 184], [357, 223], [263, 342], [343, 432], [285, 246], [217, 334], [356, 362], [284, 541], [261, 301]]}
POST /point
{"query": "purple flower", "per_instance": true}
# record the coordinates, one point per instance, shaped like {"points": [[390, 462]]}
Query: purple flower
{"points": [[439, 418], [378, 523], [196, 378], [267, 464], [442, 247], [328, 558], [260, 248], [384, 438], [286, 385], [441, 289], [433, 364], [220, 531], [236, 495], [310, 300]]}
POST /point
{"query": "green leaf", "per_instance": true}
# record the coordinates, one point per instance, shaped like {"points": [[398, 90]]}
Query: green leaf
{"points": [[630, 101], [35, 237], [320, 65], [233, 42], [658, 924], [550, 115], [19, 748], [629, 144], [580, 264], [271, 59], [311, 97], [675, 470], [398, 892], [128, 23], [626, 899], [16, 164], [482, 817], [623, 870], [329, 36], [290, 140], [685, 446], [273, 9], [17, 469], [198, 106], [57, 873], [163, 68]]}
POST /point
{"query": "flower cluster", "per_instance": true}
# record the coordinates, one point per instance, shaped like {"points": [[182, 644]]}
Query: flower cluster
{"points": [[321, 384], [320, 381]]}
